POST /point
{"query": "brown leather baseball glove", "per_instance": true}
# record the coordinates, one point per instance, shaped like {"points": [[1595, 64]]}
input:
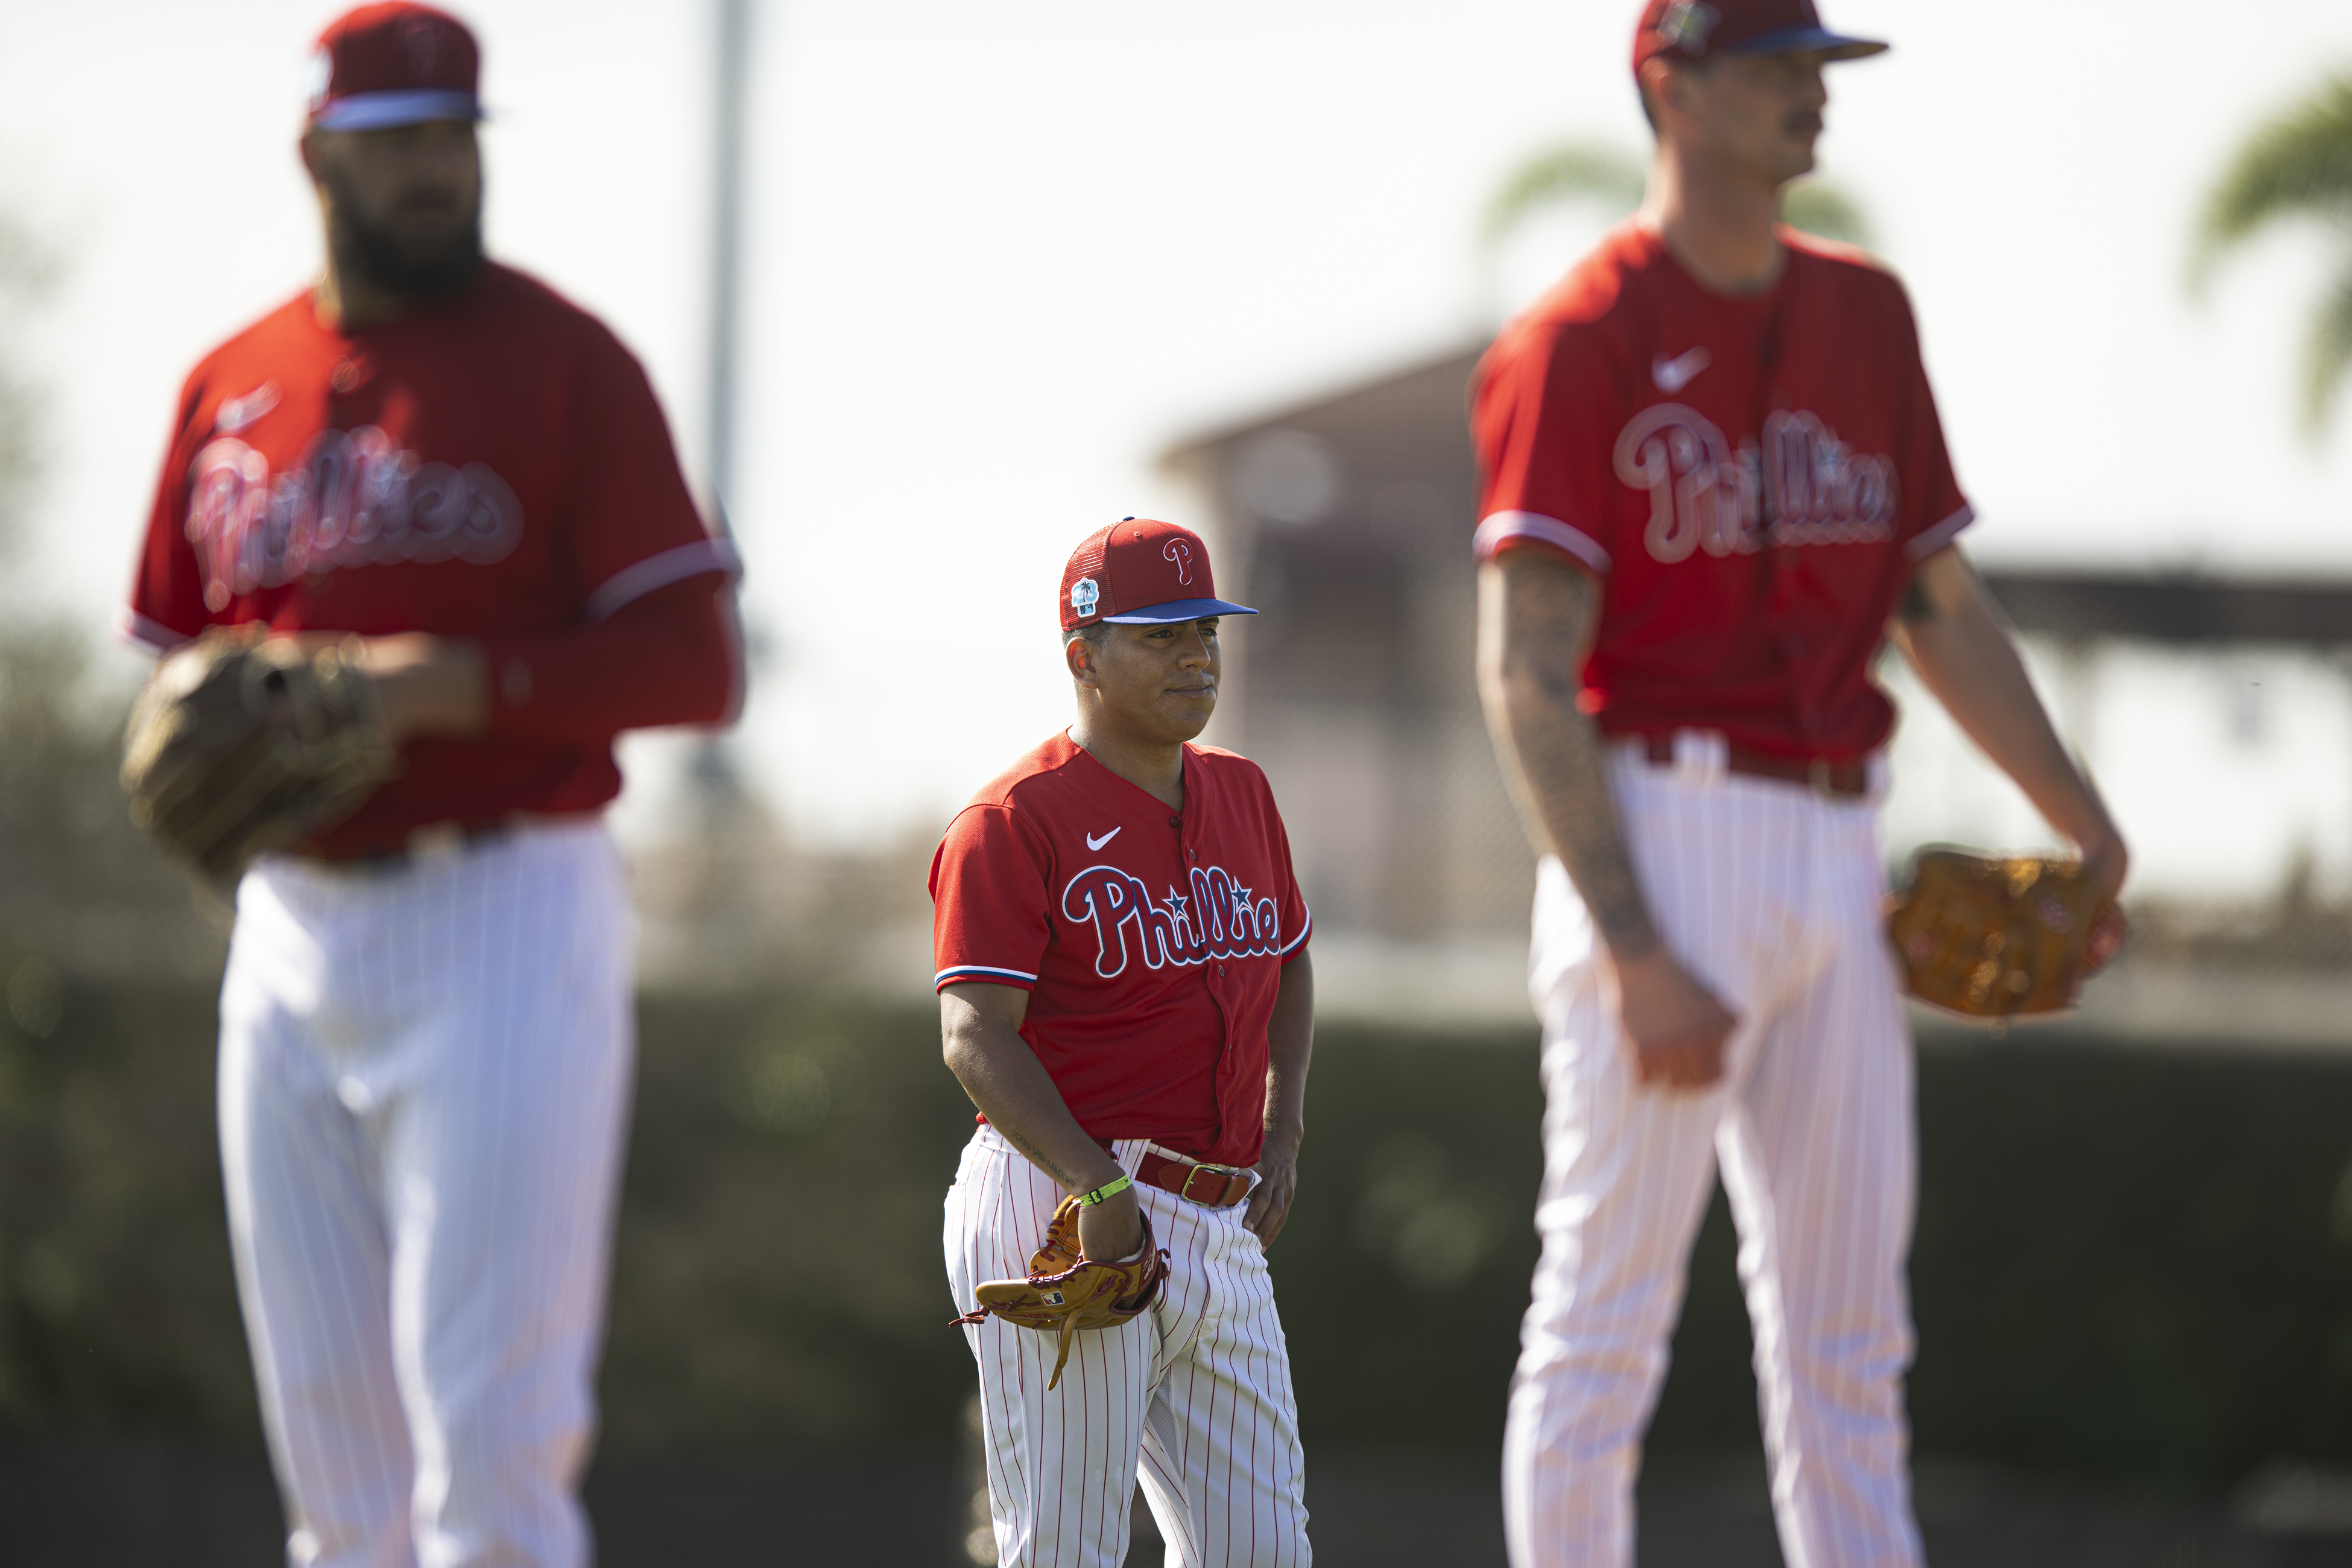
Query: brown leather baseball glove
{"points": [[1068, 1292], [240, 745], [1987, 937]]}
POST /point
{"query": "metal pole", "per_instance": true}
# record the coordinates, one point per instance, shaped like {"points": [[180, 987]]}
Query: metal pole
{"points": [[733, 64]]}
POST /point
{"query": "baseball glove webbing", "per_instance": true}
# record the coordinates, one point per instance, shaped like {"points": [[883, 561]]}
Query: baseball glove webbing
{"points": [[242, 744], [1991, 937]]}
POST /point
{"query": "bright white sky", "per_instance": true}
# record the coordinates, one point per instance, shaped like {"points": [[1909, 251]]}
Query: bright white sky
{"points": [[1002, 255]]}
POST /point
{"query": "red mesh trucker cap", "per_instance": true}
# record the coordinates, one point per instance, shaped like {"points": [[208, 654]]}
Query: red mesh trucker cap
{"points": [[1708, 30], [381, 66], [1140, 573]]}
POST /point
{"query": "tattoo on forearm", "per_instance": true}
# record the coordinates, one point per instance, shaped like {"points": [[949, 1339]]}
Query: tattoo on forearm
{"points": [[1582, 819], [1916, 606], [1038, 1157], [1567, 784]]}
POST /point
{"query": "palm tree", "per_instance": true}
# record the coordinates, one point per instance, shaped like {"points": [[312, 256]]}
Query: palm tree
{"points": [[2298, 165], [1612, 179]]}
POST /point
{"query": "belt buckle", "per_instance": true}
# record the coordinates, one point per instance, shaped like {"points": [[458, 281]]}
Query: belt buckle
{"points": [[1227, 1172]]}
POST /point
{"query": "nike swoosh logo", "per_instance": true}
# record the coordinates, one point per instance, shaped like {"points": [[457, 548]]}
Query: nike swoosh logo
{"points": [[1672, 375], [1094, 843], [236, 413]]}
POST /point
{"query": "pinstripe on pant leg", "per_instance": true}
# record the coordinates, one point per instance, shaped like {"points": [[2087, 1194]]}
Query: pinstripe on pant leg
{"points": [[1820, 1162], [1061, 1461], [501, 1169], [1223, 1468], [428, 1238], [1198, 1391], [307, 1236], [1628, 1169]]}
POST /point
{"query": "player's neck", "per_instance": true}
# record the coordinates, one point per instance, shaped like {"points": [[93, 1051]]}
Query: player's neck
{"points": [[1155, 767], [345, 303], [1719, 223]]}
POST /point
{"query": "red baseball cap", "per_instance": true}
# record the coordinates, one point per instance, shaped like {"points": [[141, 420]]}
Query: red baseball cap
{"points": [[1707, 29], [1140, 573], [382, 66]]}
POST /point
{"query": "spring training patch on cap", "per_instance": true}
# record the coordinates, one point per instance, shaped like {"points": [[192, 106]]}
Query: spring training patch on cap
{"points": [[1687, 23], [1084, 594]]}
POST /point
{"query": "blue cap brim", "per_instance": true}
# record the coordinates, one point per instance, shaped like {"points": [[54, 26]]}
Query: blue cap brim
{"points": [[1803, 40], [1178, 610], [389, 110]]}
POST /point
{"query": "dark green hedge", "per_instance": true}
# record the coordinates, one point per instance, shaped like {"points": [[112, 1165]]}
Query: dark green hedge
{"points": [[2131, 1263]]}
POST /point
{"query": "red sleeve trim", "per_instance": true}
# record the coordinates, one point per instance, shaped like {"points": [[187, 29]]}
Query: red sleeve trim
{"points": [[659, 571], [1501, 527], [148, 636], [1019, 979], [1927, 544]]}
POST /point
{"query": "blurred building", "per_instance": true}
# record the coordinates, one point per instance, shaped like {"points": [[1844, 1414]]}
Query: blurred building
{"points": [[2216, 713]]}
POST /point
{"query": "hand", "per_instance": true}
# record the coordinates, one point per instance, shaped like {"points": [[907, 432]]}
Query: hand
{"points": [[1111, 1230], [428, 685], [1269, 1205], [1674, 1025], [2105, 862]]}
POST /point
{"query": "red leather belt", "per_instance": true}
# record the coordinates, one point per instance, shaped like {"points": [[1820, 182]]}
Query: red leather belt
{"points": [[1211, 1187], [424, 844], [1830, 776]]}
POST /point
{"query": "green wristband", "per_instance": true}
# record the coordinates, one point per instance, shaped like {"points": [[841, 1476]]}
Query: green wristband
{"points": [[1107, 1190]]}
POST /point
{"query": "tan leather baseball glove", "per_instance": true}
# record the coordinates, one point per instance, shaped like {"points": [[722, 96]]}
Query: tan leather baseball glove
{"points": [[1989, 937], [1068, 1292], [240, 745]]}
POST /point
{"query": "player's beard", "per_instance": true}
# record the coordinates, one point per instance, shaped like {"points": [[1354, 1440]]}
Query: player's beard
{"points": [[395, 265]]}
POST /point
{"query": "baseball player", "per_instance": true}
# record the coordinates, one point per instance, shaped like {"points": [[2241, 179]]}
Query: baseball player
{"points": [[1125, 992], [425, 1032], [1713, 483]]}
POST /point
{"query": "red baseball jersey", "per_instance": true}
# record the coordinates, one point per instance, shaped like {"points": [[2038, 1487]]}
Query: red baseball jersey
{"points": [[1752, 480], [493, 468], [1151, 941]]}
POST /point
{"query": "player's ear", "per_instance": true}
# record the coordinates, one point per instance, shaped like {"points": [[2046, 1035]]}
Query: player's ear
{"points": [[1661, 83], [1078, 654], [309, 148]]}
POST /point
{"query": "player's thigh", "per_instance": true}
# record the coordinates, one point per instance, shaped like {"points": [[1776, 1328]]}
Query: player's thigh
{"points": [[1223, 1469], [308, 1240], [1723, 865], [1826, 1129], [996, 1215], [505, 1148], [1628, 1167], [1060, 1460]]}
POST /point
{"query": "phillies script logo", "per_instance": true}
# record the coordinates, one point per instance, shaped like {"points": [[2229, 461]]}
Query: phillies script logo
{"points": [[1705, 496], [1219, 919], [355, 499], [1179, 552]]}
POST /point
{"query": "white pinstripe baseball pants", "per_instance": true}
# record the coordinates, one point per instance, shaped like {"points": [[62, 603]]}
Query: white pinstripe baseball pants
{"points": [[1198, 1388], [1770, 894], [425, 1077]]}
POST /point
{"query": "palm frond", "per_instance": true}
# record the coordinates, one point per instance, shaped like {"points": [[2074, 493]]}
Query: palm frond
{"points": [[2299, 165], [1819, 207], [1571, 171], [2326, 354]]}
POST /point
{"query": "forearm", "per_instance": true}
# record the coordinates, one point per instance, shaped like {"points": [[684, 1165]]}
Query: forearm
{"points": [[1290, 1042], [1535, 628], [1952, 635], [671, 658], [1010, 1086]]}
